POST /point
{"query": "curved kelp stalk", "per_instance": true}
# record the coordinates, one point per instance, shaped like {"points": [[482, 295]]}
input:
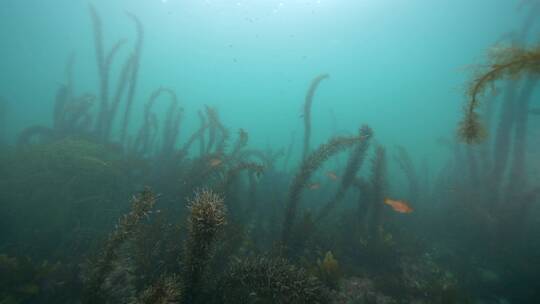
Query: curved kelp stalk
{"points": [[199, 134], [309, 166], [123, 81], [216, 125], [507, 62], [148, 130], [135, 59], [307, 111], [241, 142], [126, 83], [104, 62], [354, 164]]}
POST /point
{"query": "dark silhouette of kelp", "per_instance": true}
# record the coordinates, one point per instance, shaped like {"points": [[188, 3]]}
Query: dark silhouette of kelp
{"points": [[308, 167], [307, 111], [148, 131], [378, 185], [354, 164], [406, 165], [127, 78]]}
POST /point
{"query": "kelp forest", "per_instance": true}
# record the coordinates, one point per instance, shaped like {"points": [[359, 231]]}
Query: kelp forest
{"points": [[99, 207]]}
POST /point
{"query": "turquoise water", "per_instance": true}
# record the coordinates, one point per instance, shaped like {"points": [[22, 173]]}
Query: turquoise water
{"points": [[402, 67]]}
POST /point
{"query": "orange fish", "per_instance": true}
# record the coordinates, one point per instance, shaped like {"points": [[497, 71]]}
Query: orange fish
{"points": [[314, 186], [214, 162], [398, 206], [332, 175]]}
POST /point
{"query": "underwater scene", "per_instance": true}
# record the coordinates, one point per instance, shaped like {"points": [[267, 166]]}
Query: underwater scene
{"points": [[269, 151]]}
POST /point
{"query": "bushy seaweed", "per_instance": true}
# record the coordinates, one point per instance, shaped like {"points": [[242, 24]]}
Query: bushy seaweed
{"points": [[509, 62]]}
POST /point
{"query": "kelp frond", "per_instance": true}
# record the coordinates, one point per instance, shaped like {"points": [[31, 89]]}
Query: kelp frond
{"points": [[510, 62]]}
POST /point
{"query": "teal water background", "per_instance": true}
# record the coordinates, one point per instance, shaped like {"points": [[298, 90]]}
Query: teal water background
{"points": [[400, 66]]}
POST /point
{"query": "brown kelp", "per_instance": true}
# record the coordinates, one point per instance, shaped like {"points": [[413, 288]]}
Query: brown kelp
{"points": [[103, 265], [506, 62], [207, 218], [148, 130], [271, 280], [166, 290], [135, 62], [354, 164], [308, 167], [307, 111], [406, 165], [71, 117], [378, 187], [127, 78]]}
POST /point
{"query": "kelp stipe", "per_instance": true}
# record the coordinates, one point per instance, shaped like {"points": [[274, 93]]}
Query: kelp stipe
{"points": [[354, 164], [407, 166], [379, 185], [307, 111], [309, 166], [506, 62], [126, 83]]}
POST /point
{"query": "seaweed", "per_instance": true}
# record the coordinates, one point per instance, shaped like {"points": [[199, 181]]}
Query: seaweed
{"points": [[307, 111], [206, 220], [271, 280], [509, 62], [127, 78], [166, 290], [378, 189], [308, 167], [354, 164], [148, 130], [104, 264], [406, 165], [135, 61]]}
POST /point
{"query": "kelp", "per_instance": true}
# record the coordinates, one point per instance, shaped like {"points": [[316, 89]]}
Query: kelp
{"points": [[167, 290], [206, 220], [148, 130], [509, 62], [271, 280], [308, 167], [307, 111], [104, 264], [406, 165], [354, 164], [127, 80], [379, 184]]}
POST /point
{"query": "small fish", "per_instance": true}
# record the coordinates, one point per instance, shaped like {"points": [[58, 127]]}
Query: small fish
{"points": [[398, 206], [332, 175], [314, 186], [214, 162]]}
